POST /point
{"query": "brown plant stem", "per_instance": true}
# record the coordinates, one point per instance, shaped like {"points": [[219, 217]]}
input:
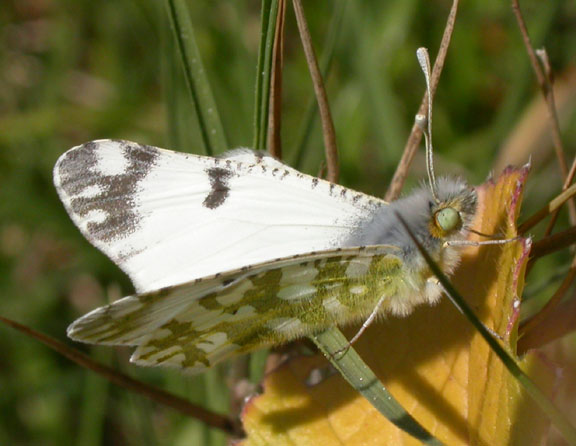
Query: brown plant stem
{"points": [[275, 111], [544, 79], [552, 207], [212, 419], [557, 323], [328, 131], [416, 133], [553, 243], [533, 324]]}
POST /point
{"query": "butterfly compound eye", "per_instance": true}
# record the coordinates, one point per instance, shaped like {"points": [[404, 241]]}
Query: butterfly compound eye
{"points": [[448, 219]]}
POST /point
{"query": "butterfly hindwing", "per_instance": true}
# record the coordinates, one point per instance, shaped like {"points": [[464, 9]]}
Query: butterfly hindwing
{"points": [[197, 324], [166, 217]]}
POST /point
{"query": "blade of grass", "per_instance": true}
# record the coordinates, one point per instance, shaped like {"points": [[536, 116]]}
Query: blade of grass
{"points": [[264, 72], [211, 128], [375, 63], [179, 111], [556, 416], [93, 412], [218, 399], [351, 366]]}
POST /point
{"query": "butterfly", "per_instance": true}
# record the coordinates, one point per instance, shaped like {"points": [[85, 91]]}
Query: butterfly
{"points": [[239, 252]]}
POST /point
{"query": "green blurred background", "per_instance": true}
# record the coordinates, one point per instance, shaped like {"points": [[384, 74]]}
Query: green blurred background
{"points": [[77, 70]]}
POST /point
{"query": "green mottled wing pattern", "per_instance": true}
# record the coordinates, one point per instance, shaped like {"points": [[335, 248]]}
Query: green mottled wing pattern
{"points": [[197, 324]]}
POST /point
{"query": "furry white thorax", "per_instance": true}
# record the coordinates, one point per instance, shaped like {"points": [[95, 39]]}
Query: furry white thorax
{"points": [[418, 209]]}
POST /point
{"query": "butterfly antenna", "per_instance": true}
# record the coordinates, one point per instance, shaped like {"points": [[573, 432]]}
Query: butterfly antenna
{"points": [[425, 122]]}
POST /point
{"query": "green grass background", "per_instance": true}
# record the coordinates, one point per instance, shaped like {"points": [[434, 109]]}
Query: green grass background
{"points": [[77, 70]]}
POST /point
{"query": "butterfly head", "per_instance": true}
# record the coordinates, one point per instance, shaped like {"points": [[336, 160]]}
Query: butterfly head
{"points": [[453, 208]]}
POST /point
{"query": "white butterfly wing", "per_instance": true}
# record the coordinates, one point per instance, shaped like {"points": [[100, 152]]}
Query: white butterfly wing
{"points": [[167, 217], [197, 324]]}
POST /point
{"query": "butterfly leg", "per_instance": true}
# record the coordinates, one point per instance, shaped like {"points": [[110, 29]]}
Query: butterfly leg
{"points": [[480, 243], [365, 325]]}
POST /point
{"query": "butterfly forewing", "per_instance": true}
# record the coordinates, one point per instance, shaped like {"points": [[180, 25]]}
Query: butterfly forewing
{"points": [[197, 324], [166, 217]]}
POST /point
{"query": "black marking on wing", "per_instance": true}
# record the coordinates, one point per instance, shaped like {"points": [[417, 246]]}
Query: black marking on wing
{"points": [[79, 171], [219, 190]]}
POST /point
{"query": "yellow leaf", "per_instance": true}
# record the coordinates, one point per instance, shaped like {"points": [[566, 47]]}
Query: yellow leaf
{"points": [[433, 361]]}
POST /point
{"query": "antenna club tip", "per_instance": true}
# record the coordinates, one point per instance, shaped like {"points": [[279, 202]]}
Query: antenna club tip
{"points": [[423, 59]]}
